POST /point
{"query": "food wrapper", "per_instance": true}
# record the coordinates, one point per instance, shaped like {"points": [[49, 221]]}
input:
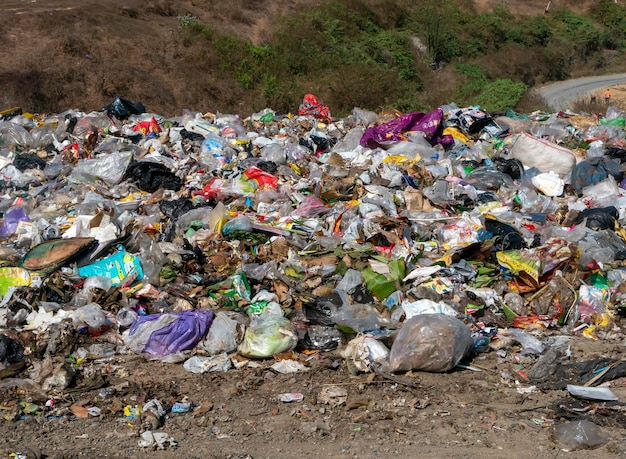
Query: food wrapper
{"points": [[122, 268]]}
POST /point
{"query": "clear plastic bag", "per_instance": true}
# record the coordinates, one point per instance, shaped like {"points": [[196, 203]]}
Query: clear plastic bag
{"points": [[224, 335], [358, 318], [530, 344], [581, 434], [430, 342], [109, 169]]}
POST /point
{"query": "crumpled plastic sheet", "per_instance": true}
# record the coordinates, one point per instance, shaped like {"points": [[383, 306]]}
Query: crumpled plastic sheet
{"points": [[431, 124], [160, 335]]}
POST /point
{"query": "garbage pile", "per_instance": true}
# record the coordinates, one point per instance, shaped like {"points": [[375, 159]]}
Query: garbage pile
{"points": [[404, 241]]}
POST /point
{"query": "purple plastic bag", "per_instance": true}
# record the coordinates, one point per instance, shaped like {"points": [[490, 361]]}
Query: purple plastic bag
{"points": [[184, 331], [429, 123], [11, 219]]}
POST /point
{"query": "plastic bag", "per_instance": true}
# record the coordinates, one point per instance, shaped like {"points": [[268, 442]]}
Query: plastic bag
{"points": [[318, 337], [322, 310], [311, 106], [362, 351], [594, 171], [122, 268], [461, 232], [549, 183], [593, 302], [11, 351], [11, 278], [431, 124], [506, 237], [359, 318], [351, 279], [275, 153], [224, 334], [268, 335], [364, 117], [598, 219], [542, 155], [426, 306], [581, 434], [151, 258], [150, 176], [312, 206], [530, 344], [430, 342], [110, 169], [160, 335], [90, 318], [123, 108], [25, 161], [198, 364], [12, 219]]}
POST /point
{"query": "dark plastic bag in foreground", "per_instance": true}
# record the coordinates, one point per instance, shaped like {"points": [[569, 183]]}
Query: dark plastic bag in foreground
{"points": [[11, 351]]}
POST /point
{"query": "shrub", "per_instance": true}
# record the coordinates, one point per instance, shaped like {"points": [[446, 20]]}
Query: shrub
{"points": [[500, 95]]}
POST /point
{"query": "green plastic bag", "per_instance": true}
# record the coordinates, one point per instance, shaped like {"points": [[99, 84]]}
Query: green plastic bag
{"points": [[268, 335]]}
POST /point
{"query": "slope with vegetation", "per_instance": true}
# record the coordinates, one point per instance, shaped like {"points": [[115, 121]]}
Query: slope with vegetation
{"points": [[245, 55]]}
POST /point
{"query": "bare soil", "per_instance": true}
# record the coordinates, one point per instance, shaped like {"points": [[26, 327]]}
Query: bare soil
{"points": [[491, 413], [97, 49]]}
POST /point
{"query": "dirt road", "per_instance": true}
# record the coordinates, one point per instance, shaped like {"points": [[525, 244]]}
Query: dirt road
{"points": [[561, 95]]}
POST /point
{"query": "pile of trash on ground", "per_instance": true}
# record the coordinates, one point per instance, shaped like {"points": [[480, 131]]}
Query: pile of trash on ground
{"points": [[405, 241]]}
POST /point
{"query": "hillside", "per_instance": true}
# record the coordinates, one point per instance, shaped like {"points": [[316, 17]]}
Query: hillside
{"points": [[61, 54]]}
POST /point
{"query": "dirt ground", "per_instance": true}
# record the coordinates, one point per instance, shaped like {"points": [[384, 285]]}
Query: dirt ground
{"points": [[491, 411]]}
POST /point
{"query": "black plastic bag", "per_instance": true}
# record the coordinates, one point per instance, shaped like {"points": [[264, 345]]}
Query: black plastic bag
{"points": [[321, 311], [151, 176], [123, 108], [321, 338], [593, 171], [512, 167], [506, 236], [25, 161], [11, 351], [599, 219], [174, 209]]}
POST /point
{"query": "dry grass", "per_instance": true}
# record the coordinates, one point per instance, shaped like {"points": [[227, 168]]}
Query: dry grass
{"points": [[63, 54], [595, 103], [532, 101], [533, 7]]}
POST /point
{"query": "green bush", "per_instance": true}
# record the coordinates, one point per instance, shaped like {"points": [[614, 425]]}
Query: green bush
{"points": [[475, 80], [500, 95], [360, 53]]}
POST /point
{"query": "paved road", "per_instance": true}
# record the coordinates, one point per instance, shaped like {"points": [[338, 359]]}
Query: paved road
{"points": [[560, 95]]}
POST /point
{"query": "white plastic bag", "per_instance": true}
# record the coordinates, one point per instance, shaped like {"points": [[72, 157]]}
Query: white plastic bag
{"points": [[224, 334], [542, 155]]}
